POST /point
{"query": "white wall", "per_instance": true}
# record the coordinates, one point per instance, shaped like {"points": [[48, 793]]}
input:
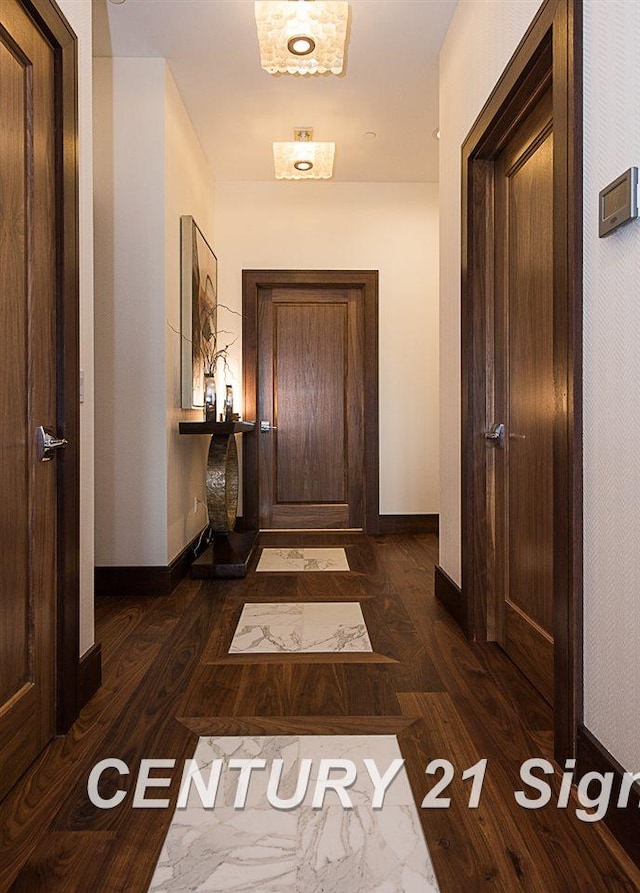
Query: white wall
{"points": [[189, 189], [149, 169], [131, 452], [78, 14], [390, 227], [611, 386], [479, 43], [481, 39]]}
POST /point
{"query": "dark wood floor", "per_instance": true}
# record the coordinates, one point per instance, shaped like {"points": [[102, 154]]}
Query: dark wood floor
{"points": [[168, 678]]}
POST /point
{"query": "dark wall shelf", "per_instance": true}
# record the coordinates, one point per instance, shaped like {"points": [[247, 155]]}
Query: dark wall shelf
{"points": [[216, 427]]}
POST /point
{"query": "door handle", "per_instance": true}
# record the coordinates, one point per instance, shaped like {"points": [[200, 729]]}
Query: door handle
{"points": [[495, 434], [266, 426], [48, 443]]}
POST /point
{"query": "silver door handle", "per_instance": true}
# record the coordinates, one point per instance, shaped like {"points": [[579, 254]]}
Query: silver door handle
{"points": [[265, 427], [495, 434], [48, 443]]}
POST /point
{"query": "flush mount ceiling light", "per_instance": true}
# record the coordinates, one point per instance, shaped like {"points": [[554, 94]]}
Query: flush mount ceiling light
{"points": [[303, 159], [302, 36]]}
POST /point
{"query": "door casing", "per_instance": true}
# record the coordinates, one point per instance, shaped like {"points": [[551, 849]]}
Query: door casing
{"points": [[49, 18], [367, 281], [551, 51]]}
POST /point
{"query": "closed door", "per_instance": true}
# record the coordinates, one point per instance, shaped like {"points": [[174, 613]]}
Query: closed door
{"points": [[521, 457], [27, 392], [310, 405]]}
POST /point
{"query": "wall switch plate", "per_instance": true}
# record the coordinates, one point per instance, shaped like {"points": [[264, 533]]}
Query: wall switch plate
{"points": [[618, 202]]}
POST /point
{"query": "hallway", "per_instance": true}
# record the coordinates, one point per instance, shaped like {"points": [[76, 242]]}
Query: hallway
{"points": [[168, 678]]}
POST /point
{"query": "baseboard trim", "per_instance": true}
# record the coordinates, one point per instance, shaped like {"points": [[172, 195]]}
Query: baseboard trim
{"points": [[623, 822], [152, 580], [409, 524], [450, 596], [126, 581], [89, 674]]}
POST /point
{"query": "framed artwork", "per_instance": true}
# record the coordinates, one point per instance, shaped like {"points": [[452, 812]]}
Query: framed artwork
{"points": [[199, 308]]}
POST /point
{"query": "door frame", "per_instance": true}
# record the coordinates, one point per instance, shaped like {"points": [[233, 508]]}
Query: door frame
{"points": [[367, 281], [49, 18], [551, 51]]}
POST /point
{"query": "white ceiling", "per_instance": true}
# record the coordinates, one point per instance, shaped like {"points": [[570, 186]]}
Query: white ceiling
{"points": [[389, 86]]}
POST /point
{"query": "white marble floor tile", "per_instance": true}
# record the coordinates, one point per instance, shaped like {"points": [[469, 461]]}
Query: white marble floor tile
{"points": [[281, 560], [225, 849], [303, 850], [363, 851], [300, 627]]}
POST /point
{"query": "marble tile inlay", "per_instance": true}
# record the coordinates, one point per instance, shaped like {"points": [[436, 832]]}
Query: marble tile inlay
{"points": [[278, 560], [265, 849], [300, 627]]}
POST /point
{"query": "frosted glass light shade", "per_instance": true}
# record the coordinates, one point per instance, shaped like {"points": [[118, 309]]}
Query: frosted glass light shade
{"points": [[323, 21], [287, 155]]}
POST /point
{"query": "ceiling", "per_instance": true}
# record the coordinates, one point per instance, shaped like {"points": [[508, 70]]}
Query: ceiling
{"points": [[389, 85]]}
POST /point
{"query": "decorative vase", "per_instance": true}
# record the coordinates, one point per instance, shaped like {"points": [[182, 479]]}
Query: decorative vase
{"points": [[209, 398], [228, 404]]}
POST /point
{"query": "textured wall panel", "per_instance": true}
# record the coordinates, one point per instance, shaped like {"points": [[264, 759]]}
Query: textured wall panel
{"points": [[612, 386]]}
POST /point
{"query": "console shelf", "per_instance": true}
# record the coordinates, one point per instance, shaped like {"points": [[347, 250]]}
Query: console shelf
{"points": [[230, 552]]}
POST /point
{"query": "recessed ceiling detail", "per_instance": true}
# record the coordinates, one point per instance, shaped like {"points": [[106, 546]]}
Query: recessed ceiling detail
{"points": [[302, 36]]}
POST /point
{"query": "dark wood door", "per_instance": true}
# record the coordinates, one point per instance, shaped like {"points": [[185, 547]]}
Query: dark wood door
{"points": [[28, 505], [525, 396], [311, 391]]}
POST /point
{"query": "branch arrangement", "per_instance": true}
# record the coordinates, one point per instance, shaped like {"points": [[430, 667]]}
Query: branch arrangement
{"points": [[212, 354]]}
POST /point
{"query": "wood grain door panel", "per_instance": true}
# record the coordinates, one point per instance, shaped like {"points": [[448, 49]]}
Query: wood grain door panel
{"points": [[531, 395], [525, 396], [28, 507], [311, 370], [310, 350], [15, 98]]}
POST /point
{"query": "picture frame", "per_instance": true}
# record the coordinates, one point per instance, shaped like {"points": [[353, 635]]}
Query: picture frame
{"points": [[199, 296]]}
